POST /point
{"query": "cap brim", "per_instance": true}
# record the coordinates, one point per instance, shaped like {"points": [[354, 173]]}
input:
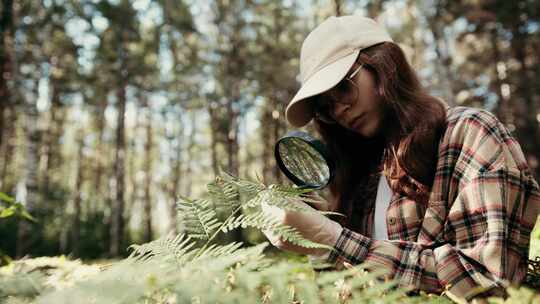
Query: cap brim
{"points": [[298, 111]]}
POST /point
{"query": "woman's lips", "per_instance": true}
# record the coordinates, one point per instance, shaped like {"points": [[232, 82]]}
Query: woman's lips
{"points": [[356, 122]]}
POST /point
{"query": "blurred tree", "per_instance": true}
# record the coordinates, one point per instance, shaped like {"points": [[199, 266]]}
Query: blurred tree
{"points": [[31, 34], [147, 81], [231, 20], [440, 17], [503, 36], [116, 43], [184, 86], [60, 53], [77, 194], [229, 61], [275, 65], [6, 65], [337, 7], [8, 116]]}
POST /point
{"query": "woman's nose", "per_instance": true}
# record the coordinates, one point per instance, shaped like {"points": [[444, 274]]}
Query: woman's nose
{"points": [[340, 109]]}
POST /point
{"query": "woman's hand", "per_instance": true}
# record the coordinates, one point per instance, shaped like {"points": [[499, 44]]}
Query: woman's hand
{"points": [[311, 224]]}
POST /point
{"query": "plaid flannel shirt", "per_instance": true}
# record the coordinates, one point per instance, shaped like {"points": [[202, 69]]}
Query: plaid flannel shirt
{"points": [[473, 235]]}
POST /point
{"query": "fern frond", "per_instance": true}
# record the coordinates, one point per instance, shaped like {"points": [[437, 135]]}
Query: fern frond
{"points": [[247, 189], [285, 200], [224, 192], [178, 248], [255, 220], [215, 250], [198, 217], [262, 221]]}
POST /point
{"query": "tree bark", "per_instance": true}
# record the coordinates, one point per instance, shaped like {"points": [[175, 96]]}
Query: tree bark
{"points": [[214, 120], [25, 239], [99, 153], [6, 39], [266, 137], [276, 124], [175, 181], [147, 214], [77, 198], [190, 156], [53, 156], [132, 194], [117, 224], [232, 133], [8, 149]]}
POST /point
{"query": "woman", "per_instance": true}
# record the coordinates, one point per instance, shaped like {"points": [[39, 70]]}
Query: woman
{"points": [[442, 199]]}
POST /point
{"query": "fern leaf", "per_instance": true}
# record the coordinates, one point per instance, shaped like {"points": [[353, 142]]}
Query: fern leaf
{"points": [[198, 218], [288, 201], [215, 250], [261, 221], [178, 248]]}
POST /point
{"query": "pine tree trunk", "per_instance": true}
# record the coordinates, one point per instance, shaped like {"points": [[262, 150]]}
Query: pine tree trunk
{"points": [[25, 237], [132, 188], [6, 39], [99, 154], [175, 182], [8, 149], [53, 157], [147, 214], [276, 125], [232, 139], [117, 223], [268, 152], [190, 156], [8, 115], [214, 120], [77, 195]]}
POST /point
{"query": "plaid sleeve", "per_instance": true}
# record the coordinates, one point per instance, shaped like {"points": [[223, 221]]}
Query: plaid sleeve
{"points": [[485, 226]]}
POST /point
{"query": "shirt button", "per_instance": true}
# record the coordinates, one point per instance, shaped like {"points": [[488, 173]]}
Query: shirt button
{"points": [[392, 221]]}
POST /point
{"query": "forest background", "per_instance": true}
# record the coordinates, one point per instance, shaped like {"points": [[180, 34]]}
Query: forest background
{"points": [[111, 109]]}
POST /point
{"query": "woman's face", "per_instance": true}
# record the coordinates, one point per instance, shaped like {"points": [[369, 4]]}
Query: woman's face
{"points": [[360, 111]]}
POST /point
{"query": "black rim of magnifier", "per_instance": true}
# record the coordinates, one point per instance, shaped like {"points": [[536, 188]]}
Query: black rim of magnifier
{"points": [[315, 144]]}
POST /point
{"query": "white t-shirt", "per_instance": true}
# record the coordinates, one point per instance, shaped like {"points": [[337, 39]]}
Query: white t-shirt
{"points": [[384, 195]]}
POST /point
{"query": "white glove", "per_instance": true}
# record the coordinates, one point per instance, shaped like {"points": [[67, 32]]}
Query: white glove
{"points": [[312, 225]]}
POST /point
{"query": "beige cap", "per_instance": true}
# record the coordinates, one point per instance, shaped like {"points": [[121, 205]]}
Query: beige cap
{"points": [[327, 54]]}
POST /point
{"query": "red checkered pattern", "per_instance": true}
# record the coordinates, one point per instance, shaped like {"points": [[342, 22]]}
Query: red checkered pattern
{"points": [[473, 235]]}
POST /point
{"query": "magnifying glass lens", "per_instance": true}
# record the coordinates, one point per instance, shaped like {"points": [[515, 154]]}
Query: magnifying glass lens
{"points": [[303, 161]]}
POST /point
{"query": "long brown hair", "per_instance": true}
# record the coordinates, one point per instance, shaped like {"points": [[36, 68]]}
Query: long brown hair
{"points": [[406, 148]]}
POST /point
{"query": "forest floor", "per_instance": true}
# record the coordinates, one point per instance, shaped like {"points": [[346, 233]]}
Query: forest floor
{"points": [[23, 281]]}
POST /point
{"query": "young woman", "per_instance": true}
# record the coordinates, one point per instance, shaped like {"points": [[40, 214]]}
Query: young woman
{"points": [[441, 198]]}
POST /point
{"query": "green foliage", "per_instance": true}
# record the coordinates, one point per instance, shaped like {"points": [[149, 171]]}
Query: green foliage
{"points": [[224, 274], [181, 269], [242, 199], [9, 207]]}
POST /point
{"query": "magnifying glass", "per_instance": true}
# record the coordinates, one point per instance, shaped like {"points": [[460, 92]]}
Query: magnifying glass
{"points": [[304, 160]]}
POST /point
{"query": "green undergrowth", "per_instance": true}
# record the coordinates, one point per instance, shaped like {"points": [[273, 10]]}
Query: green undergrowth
{"points": [[192, 267]]}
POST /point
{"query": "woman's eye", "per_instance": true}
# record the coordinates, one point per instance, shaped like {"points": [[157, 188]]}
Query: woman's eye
{"points": [[322, 105], [343, 86]]}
